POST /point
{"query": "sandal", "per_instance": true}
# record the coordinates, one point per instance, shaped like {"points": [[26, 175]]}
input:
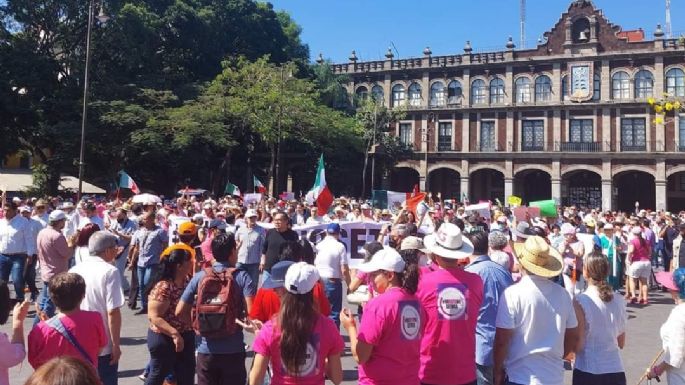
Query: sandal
{"points": [[644, 302], [633, 300]]}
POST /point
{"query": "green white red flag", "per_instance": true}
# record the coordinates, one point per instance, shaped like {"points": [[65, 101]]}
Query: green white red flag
{"points": [[320, 193]]}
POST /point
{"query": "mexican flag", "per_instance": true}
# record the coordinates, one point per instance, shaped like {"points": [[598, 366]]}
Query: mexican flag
{"points": [[231, 189], [320, 192], [125, 181], [393, 200], [258, 186]]}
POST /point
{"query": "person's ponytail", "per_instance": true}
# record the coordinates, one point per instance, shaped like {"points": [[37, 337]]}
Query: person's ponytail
{"points": [[597, 269], [409, 278]]}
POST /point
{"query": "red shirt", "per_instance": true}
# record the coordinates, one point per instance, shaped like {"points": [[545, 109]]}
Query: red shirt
{"points": [[266, 303]]}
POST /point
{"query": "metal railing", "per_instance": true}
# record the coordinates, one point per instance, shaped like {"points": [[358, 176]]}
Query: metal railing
{"points": [[578, 146], [491, 147], [532, 147], [643, 146]]}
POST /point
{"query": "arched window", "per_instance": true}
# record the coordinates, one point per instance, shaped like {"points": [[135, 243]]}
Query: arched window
{"points": [[644, 84], [497, 91], [564, 87], [543, 89], [523, 90], [597, 86], [675, 82], [377, 94], [415, 95], [362, 93], [478, 91], [454, 92], [398, 95], [438, 97], [620, 85]]}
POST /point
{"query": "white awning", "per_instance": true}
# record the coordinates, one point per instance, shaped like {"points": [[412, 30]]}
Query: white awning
{"points": [[20, 180]]}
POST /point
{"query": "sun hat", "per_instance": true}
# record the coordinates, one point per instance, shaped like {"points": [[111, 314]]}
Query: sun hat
{"points": [[301, 278], [523, 230], [590, 222], [387, 259], [538, 258], [567, 229], [187, 228], [385, 212], [413, 243], [251, 213], [67, 205], [277, 276], [57, 215], [448, 242]]}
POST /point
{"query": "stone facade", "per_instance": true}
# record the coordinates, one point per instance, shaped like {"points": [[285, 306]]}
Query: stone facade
{"points": [[531, 123]]}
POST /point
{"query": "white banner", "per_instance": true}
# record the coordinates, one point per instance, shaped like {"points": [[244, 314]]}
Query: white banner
{"points": [[251, 198]]}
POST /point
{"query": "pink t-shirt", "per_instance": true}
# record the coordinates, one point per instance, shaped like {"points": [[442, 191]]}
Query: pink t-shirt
{"points": [[206, 247], [392, 323], [324, 341], [88, 329], [641, 253], [451, 298], [366, 278]]}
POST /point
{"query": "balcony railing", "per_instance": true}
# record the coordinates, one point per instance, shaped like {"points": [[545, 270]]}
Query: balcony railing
{"points": [[578, 146], [491, 147], [532, 147], [681, 148]]}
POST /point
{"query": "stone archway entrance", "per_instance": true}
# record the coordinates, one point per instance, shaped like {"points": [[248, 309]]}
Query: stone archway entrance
{"points": [[581, 188], [403, 179], [634, 186], [446, 182], [486, 184], [533, 185]]}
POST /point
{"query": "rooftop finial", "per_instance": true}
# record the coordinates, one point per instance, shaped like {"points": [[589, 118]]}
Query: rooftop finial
{"points": [[389, 54], [467, 47], [320, 60], [510, 43], [353, 56], [427, 51]]}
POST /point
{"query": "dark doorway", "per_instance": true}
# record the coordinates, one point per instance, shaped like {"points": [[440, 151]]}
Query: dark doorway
{"points": [[582, 189], [403, 179], [635, 186], [446, 182], [487, 184], [533, 185]]}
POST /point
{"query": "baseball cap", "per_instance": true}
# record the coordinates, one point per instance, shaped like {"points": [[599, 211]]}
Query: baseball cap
{"points": [[301, 278], [387, 259], [24, 209], [57, 215], [333, 228], [277, 276], [221, 225], [365, 207], [187, 228], [413, 243], [250, 213], [67, 205]]}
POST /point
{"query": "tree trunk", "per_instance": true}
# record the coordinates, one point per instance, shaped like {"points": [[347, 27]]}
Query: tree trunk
{"points": [[272, 171], [366, 163], [224, 170]]}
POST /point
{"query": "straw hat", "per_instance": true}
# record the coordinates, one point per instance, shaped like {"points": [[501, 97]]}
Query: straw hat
{"points": [[448, 242], [537, 257]]}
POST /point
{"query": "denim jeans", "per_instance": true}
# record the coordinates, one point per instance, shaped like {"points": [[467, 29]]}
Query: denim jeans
{"points": [[30, 278], [334, 294], [484, 375], [252, 269], [265, 275], [120, 264], [14, 265], [164, 360], [145, 274], [108, 373], [45, 305]]}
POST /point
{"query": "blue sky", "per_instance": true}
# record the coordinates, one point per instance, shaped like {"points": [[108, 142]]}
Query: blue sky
{"points": [[336, 27]]}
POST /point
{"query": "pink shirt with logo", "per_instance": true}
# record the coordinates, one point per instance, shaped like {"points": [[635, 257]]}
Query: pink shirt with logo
{"points": [[87, 327], [392, 323], [324, 341], [451, 299]]}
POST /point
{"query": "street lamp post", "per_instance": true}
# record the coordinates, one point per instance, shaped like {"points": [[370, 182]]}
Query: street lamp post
{"points": [[103, 18]]}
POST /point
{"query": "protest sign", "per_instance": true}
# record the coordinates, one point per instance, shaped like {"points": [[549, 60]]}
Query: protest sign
{"points": [[520, 213], [514, 201], [173, 228], [249, 199], [548, 208], [481, 208]]}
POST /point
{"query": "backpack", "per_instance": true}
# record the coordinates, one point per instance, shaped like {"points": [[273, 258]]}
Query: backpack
{"points": [[219, 303]]}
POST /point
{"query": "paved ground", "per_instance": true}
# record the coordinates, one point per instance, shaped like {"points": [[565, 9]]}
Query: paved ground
{"points": [[642, 344]]}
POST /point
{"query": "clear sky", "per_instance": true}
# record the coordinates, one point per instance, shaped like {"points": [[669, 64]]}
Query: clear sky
{"points": [[336, 27]]}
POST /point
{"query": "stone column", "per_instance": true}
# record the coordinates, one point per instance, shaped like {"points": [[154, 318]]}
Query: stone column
{"points": [[508, 179], [465, 132], [509, 87], [422, 182], [464, 180], [510, 131], [556, 82], [660, 181], [606, 129], [659, 76], [425, 89], [556, 130], [605, 81], [387, 92], [466, 88], [606, 194], [556, 181]]}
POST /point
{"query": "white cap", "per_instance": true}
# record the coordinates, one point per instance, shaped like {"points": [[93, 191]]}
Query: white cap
{"points": [[365, 207], [16, 199], [567, 228], [250, 213], [608, 226], [24, 209], [301, 278], [67, 205], [386, 259], [57, 215], [636, 230], [207, 206]]}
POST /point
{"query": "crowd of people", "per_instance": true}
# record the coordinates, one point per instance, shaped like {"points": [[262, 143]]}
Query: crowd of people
{"points": [[443, 296]]}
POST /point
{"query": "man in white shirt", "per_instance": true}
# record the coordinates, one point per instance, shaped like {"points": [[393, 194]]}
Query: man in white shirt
{"points": [[16, 245], [105, 296], [314, 218], [72, 219], [36, 226], [333, 265], [41, 213], [91, 217], [536, 322]]}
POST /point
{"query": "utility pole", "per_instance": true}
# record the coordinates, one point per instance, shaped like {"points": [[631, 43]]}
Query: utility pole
{"points": [[522, 12]]}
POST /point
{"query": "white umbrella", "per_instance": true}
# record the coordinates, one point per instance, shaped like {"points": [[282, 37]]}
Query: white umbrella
{"points": [[147, 198]]}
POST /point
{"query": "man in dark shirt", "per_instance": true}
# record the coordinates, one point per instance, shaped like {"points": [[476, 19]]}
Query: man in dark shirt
{"points": [[669, 233], [273, 240]]}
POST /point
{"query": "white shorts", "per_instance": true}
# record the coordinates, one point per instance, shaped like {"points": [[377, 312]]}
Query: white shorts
{"points": [[640, 269]]}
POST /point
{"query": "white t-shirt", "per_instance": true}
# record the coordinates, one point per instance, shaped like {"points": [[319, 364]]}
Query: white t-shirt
{"points": [[539, 311], [330, 255], [103, 290], [604, 322], [673, 341], [83, 221]]}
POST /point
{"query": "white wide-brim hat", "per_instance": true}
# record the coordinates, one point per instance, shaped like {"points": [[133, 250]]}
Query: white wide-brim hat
{"points": [[448, 242]]}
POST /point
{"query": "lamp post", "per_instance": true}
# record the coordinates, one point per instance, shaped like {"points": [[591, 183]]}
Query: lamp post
{"points": [[102, 18]]}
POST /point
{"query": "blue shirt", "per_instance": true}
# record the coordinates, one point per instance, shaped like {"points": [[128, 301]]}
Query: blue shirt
{"points": [[495, 279], [221, 345], [152, 243]]}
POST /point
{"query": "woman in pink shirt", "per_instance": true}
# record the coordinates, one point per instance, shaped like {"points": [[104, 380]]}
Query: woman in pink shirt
{"points": [[72, 332], [303, 346], [387, 345], [12, 350], [639, 265]]}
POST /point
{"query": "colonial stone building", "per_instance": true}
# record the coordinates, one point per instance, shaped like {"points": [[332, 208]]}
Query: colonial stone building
{"points": [[567, 119]]}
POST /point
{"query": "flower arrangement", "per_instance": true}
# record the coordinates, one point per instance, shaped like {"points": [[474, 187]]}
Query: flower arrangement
{"points": [[667, 105]]}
